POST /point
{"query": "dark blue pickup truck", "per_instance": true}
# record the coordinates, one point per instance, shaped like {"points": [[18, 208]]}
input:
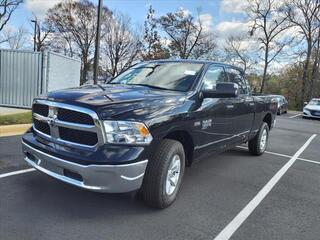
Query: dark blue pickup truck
{"points": [[140, 130]]}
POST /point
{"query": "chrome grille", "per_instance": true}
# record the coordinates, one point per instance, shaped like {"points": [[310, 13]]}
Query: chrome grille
{"points": [[67, 124]]}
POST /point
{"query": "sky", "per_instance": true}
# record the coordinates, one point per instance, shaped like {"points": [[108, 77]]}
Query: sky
{"points": [[219, 15], [223, 17]]}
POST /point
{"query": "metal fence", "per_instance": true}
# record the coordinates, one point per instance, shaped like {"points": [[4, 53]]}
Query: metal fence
{"points": [[25, 75]]}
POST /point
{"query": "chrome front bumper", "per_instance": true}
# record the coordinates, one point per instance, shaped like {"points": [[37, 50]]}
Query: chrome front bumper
{"points": [[100, 178]]}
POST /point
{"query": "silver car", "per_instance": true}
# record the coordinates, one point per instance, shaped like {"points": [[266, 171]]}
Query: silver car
{"points": [[312, 109]]}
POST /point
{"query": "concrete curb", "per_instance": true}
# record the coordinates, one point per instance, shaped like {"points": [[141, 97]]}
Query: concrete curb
{"points": [[12, 130]]}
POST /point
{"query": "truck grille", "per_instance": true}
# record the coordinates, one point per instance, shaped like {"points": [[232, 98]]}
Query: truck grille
{"points": [[74, 116], [41, 126], [66, 124], [41, 109], [78, 136]]}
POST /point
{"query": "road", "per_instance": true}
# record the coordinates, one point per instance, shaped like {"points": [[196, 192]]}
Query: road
{"points": [[213, 193]]}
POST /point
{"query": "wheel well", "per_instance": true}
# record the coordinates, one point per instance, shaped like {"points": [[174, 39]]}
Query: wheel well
{"points": [[187, 142], [268, 119]]}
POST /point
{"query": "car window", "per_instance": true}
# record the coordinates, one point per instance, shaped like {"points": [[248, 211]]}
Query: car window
{"points": [[280, 99], [214, 75], [314, 102], [237, 77]]}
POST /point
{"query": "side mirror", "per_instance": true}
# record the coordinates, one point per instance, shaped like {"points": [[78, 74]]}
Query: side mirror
{"points": [[305, 103], [223, 90]]}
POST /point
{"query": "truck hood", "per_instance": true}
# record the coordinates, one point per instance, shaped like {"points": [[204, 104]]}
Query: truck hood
{"points": [[120, 101]]}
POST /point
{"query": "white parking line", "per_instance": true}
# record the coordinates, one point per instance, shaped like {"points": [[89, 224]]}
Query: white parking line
{"points": [[16, 172], [307, 160], [230, 229], [284, 155], [294, 116]]}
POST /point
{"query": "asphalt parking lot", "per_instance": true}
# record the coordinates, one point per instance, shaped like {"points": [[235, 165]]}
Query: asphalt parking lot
{"points": [[236, 194]]}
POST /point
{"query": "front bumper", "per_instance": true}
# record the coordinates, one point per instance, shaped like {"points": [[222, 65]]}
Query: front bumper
{"points": [[308, 114], [100, 178]]}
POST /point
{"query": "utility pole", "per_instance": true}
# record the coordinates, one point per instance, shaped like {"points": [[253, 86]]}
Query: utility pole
{"points": [[97, 49], [34, 34]]}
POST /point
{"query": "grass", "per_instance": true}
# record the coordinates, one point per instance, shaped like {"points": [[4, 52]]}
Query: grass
{"points": [[18, 118]]}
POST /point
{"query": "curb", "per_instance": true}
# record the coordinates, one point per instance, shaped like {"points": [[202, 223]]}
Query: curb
{"points": [[13, 130]]}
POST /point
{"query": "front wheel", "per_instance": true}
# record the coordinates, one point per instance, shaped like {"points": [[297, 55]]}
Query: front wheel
{"points": [[259, 143], [164, 174]]}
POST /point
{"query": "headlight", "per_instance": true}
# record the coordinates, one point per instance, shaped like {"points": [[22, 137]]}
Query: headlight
{"points": [[306, 111], [126, 132]]}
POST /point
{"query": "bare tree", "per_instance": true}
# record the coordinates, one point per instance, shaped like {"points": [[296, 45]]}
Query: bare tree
{"points": [[120, 45], [16, 39], [305, 15], [76, 23], [268, 23], [43, 32], [238, 52], [187, 34], [152, 47], [205, 47], [7, 7], [315, 75], [61, 43]]}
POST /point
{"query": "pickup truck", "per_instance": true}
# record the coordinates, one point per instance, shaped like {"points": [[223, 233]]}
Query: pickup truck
{"points": [[138, 132]]}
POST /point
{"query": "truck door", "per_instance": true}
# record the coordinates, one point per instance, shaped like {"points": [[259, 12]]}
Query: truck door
{"points": [[243, 105], [213, 121]]}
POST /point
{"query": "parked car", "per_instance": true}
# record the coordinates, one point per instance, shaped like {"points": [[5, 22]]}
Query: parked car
{"points": [[142, 129], [282, 104], [312, 109]]}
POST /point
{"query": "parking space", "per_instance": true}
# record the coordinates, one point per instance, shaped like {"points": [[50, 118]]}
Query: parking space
{"points": [[313, 151], [11, 154], [290, 211], [214, 192]]}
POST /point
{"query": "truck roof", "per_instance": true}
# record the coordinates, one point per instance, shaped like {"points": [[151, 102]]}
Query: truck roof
{"points": [[196, 61]]}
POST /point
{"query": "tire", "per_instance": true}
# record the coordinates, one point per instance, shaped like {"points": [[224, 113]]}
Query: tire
{"points": [[156, 190], [279, 112], [255, 145]]}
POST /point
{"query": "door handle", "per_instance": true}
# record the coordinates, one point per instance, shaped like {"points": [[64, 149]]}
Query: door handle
{"points": [[230, 106]]}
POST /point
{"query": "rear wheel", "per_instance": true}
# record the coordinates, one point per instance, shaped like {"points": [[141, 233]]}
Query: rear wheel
{"points": [[164, 174], [259, 143]]}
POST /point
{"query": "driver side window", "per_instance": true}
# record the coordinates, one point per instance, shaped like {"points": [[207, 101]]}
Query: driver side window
{"points": [[214, 75], [237, 77]]}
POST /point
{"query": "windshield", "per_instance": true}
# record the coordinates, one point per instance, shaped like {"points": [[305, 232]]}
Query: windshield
{"points": [[175, 76], [314, 102]]}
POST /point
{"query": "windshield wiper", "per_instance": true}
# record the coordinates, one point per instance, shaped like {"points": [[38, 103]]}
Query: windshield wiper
{"points": [[151, 86]]}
